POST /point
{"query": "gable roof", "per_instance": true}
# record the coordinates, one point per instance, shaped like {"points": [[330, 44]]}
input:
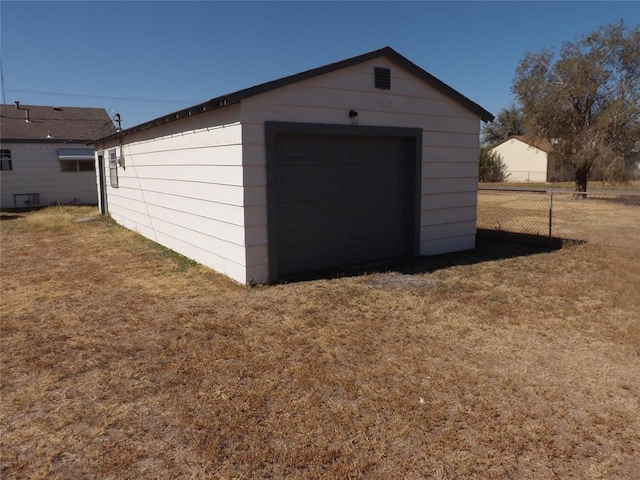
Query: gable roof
{"points": [[48, 124], [235, 97], [539, 143]]}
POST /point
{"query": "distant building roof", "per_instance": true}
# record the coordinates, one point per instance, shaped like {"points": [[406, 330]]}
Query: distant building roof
{"points": [[46, 124], [539, 143], [236, 97]]}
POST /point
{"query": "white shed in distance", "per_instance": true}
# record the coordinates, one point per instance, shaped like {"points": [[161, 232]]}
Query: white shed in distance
{"points": [[364, 160], [525, 159]]}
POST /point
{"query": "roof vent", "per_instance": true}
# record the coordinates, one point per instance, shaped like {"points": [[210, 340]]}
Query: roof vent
{"points": [[382, 78]]}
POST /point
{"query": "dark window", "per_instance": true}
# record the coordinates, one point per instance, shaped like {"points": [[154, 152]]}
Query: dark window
{"points": [[382, 77], [68, 166], [5, 160], [77, 165], [76, 160], [84, 166]]}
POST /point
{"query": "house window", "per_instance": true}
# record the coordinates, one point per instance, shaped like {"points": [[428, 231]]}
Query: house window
{"points": [[76, 160], [113, 168], [5, 160], [77, 166]]}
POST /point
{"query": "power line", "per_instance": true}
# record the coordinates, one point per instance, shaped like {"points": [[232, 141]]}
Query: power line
{"points": [[2, 80], [104, 97]]}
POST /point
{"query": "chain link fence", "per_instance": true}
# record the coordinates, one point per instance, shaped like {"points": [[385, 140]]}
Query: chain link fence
{"points": [[552, 216]]}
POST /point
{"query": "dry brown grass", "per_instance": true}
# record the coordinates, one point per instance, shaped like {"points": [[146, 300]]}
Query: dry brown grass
{"points": [[603, 219], [120, 360]]}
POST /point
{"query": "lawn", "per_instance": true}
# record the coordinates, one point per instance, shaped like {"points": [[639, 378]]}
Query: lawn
{"points": [[604, 219], [121, 360]]}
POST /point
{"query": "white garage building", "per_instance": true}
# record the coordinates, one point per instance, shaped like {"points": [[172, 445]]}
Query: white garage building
{"points": [[363, 160]]}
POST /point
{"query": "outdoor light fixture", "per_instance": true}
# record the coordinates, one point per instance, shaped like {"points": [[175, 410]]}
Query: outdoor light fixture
{"points": [[353, 115]]}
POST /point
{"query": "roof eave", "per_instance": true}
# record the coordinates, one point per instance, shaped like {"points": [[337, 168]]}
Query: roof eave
{"points": [[237, 97], [213, 104], [438, 84], [53, 141]]}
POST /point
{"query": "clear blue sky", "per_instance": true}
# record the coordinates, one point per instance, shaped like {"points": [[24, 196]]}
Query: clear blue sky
{"points": [[146, 59]]}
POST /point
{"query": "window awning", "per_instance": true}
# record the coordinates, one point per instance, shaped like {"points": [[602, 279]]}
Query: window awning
{"points": [[75, 154]]}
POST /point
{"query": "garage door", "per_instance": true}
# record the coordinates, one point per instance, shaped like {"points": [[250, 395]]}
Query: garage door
{"points": [[341, 200]]}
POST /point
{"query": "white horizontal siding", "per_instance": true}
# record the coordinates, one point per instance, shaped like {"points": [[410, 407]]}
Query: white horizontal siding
{"points": [[37, 169], [256, 235], [183, 186], [256, 196], [163, 206], [212, 155], [206, 255], [448, 185], [228, 194], [391, 102], [452, 154], [134, 220], [432, 202], [195, 239], [224, 212], [339, 116], [257, 272], [447, 139], [443, 216], [199, 225], [450, 170], [209, 174], [446, 245], [447, 230]]}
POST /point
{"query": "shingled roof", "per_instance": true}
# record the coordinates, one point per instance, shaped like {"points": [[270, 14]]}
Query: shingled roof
{"points": [[46, 124], [539, 143]]}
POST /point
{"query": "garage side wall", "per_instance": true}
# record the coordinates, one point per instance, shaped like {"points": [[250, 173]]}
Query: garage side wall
{"points": [[524, 162], [181, 186], [450, 146]]}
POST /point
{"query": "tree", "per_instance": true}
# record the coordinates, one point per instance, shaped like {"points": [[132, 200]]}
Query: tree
{"points": [[508, 122], [586, 100], [491, 166]]}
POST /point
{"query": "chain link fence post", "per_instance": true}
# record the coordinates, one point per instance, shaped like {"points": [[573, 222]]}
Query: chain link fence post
{"points": [[565, 217], [550, 191]]}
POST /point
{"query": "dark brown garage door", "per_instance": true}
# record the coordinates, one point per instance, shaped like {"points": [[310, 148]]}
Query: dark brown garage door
{"points": [[341, 200]]}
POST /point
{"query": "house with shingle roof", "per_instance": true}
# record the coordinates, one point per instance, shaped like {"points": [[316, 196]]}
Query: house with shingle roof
{"points": [[44, 154], [530, 160]]}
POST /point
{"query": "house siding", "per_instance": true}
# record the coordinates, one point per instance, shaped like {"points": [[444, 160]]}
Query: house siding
{"points": [[183, 187], [37, 169], [449, 149], [524, 163]]}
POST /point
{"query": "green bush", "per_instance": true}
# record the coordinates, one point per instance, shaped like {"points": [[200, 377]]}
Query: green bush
{"points": [[491, 166]]}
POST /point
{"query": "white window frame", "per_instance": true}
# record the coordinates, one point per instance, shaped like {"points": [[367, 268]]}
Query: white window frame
{"points": [[113, 168]]}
